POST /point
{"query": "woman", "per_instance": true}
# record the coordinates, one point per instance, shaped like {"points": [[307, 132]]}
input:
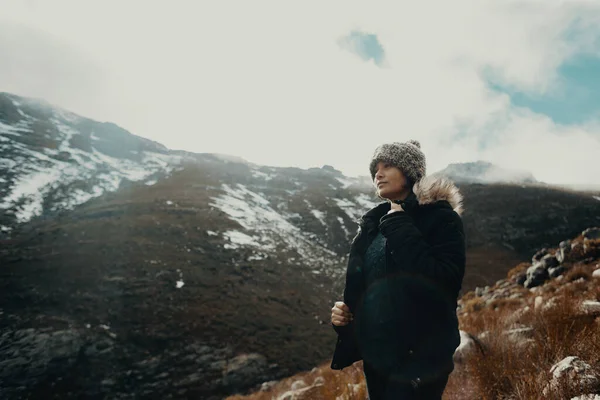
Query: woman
{"points": [[403, 277]]}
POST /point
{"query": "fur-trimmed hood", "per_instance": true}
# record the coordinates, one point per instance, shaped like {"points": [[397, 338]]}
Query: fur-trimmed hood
{"points": [[429, 190], [434, 188]]}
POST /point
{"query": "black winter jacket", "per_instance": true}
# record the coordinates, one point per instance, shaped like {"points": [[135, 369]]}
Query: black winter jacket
{"points": [[425, 253]]}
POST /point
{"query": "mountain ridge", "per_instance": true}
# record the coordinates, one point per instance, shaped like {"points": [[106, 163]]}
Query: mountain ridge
{"points": [[485, 172]]}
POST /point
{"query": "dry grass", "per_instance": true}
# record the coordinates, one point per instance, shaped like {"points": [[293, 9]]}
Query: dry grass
{"points": [[518, 367], [322, 383], [579, 271]]}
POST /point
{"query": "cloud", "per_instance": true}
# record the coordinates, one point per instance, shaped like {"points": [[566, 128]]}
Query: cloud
{"points": [[269, 81], [38, 64], [365, 45]]}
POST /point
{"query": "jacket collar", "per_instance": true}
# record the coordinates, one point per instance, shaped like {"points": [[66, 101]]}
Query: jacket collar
{"points": [[428, 191]]}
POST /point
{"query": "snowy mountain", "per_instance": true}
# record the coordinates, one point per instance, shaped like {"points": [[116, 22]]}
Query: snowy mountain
{"points": [[51, 159], [222, 262], [485, 172]]}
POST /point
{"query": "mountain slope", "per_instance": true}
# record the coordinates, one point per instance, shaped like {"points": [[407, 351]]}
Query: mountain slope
{"points": [[52, 159], [187, 263]]}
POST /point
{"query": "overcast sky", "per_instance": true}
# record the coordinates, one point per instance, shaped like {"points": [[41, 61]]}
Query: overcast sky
{"points": [[307, 83]]}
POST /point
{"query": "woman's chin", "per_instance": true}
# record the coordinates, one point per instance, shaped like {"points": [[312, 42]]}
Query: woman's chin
{"points": [[387, 195], [383, 195]]}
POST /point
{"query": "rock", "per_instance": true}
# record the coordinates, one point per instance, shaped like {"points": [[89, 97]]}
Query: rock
{"points": [[244, 370], [190, 380], [297, 385], [519, 334], [564, 248], [98, 348], [591, 233], [591, 306], [539, 300], [596, 273], [587, 397], [549, 304], [576, 373], [267, 385], [26, 355], [549, 261], [319, 381], [537, 274], [538, 256], [149, 363], [218, 365], [556, 271], [468, 345]]}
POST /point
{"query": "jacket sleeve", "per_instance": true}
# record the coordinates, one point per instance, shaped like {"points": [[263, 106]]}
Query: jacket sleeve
{"points": [[441, 258], [353, 286]]}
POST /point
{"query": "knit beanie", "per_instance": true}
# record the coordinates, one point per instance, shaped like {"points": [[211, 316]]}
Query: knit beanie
{"points": [[407, 156]]}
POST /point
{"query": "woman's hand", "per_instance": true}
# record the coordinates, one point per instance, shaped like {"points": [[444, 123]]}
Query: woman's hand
{"points": [[395, 207], [340, 314]]}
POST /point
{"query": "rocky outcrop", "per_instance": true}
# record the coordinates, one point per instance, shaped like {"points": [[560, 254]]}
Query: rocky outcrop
{"points": [[547, 265], [575, 373], [591, 233], [27, 355], [38, 363]]}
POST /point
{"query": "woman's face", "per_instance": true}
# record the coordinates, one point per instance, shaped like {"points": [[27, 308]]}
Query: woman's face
{"points": [[390, 182]]}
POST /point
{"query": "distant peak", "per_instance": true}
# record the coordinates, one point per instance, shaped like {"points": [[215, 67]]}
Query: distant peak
{"points": [[229, 158], [485, 172], [478, 163], [329, 168]]}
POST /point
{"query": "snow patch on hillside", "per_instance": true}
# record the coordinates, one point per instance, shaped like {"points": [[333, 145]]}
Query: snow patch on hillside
{"points": [[34, 172], [265, 228]]}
